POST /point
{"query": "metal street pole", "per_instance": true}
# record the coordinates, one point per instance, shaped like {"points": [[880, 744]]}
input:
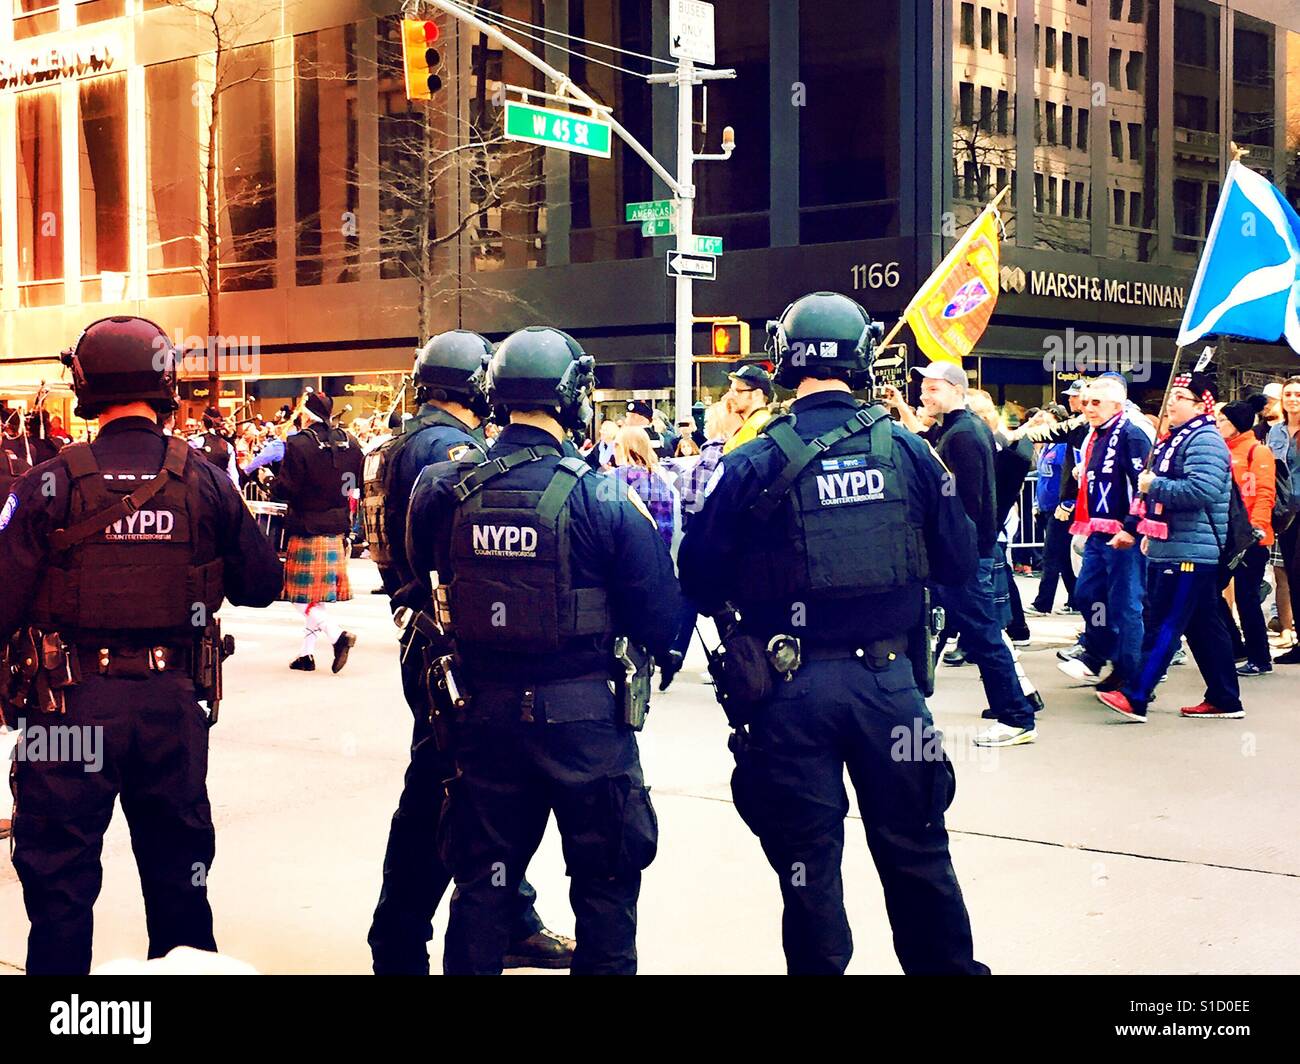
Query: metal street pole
{"points": [[683, 354]]}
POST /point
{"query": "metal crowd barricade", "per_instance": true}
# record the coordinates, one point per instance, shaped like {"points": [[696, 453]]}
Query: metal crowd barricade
{"points": [[1026, 533], [270, 519]]}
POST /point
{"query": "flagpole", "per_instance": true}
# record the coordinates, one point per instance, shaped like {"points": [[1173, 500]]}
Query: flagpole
{"points": [[902, 318]]}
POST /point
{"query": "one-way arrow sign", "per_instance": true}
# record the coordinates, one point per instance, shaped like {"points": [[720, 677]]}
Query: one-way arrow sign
{"points": [[697, 267]]}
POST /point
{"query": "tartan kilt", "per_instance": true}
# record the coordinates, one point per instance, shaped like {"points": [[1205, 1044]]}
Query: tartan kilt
{"points": [[316, 570]]}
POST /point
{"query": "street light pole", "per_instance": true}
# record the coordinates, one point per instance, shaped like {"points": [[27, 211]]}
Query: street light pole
{"points": [[683, 364], [685, 77]]}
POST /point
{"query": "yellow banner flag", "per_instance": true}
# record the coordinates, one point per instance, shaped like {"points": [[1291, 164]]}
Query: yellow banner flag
{"points": [[952, 309]]}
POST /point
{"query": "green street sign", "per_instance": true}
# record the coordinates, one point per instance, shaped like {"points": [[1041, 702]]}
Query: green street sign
{"points": [[557, 129], [658, 227], [650, 210], [707, 245]]}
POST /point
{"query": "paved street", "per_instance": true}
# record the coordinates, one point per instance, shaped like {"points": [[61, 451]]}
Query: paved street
{"points": [[1104, 848]]}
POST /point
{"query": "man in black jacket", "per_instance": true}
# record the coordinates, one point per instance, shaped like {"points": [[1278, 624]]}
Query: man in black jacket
{"points": [[965, 445], [319, 477]]}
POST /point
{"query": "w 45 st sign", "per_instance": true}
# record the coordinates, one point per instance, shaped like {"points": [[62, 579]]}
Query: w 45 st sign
{"points": [[553, 128]]}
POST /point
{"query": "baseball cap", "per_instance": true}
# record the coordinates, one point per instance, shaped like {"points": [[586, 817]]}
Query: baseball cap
{"points": [[1273, 390], [640, 406], [754, 377], [1076, 387], [944, 371]]}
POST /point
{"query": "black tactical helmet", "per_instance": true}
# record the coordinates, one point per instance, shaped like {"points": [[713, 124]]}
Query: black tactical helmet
{"points": [[453, 365], [823, 331], [123, 360], [540, 368]]}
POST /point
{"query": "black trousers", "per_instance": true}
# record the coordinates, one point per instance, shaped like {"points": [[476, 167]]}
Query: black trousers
{"points": [[789, 789], [1289, 545], [145, 741], [571, 759], [415, 877], [1246, 579], [1056, 566]]}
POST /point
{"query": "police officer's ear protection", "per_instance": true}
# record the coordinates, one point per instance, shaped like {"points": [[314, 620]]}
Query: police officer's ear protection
{"points": [[574, 392]]}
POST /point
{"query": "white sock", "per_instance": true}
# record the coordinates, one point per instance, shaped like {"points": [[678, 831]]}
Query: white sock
{"points": [[328, 629], [310, 628]]}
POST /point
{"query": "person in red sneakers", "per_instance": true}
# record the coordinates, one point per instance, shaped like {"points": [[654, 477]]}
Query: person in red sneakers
{"points": [[1185, 521]]}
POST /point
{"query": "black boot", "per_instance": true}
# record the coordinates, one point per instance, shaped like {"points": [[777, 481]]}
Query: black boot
{"points": [[305, 663], [542, 949], [345, 642]]}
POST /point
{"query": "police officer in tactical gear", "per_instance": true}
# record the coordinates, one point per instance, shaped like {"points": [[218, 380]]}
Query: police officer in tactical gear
{"points": [[552, 585], [448, 376], [117, 555], [822, 534]]}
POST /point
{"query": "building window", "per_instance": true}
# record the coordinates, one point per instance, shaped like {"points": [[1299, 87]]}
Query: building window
{"points": [[1116, 140], [1051, 48], [1135, 142], [1253, 121], [1067, 126], [1116, 10], [1067, 53], [105, 229], [1193, 112], [1115, 62], [987, 117], [1135, 208], [971, 172], [1196, 34], [966, 104], [34, 17], [325, 137], [967, 25], [246, 169], [1083, 58], [89, 11], [1051, 123], [1133, 71], [1083, 129], [1078, 200], [986, 29], [1002, 110], [734, 201], [1117, 215], [1038, 192], [1136, 10], [849, 176], [1002, 33], [1038, 122], [598, 188], [40, 202], [173, 188]]}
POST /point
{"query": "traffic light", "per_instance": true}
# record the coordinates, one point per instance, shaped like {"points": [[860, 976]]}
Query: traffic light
{"points": [[420, 58], [730, 338]]}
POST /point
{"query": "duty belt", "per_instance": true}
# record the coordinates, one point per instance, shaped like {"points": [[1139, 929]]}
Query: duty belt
{"points": [[875, 649], [135, 662]]}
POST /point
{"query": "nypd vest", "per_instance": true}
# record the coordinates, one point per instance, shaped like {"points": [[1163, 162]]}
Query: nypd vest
{"points": [[834, 523], [377, 483], [512, 581], [125, 558]]}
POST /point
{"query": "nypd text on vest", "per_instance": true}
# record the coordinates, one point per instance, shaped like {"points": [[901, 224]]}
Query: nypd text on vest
{"points": [[853, 485], [505, 541]]}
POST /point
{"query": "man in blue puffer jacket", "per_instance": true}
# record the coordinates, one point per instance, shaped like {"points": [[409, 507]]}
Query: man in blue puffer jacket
{"points": [[1186, 525]]}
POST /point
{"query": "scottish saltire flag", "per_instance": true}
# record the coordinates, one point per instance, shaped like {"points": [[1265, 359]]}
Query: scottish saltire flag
{"points": [[1248, 280]]}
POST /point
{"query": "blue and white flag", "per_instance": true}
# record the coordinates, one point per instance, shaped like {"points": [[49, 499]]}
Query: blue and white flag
{"points": [[1248, 280]]}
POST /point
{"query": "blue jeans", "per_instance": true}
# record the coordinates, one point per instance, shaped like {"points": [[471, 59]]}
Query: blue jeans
{"points": [[1185, 600], [973, 608], [1109, 593]]}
